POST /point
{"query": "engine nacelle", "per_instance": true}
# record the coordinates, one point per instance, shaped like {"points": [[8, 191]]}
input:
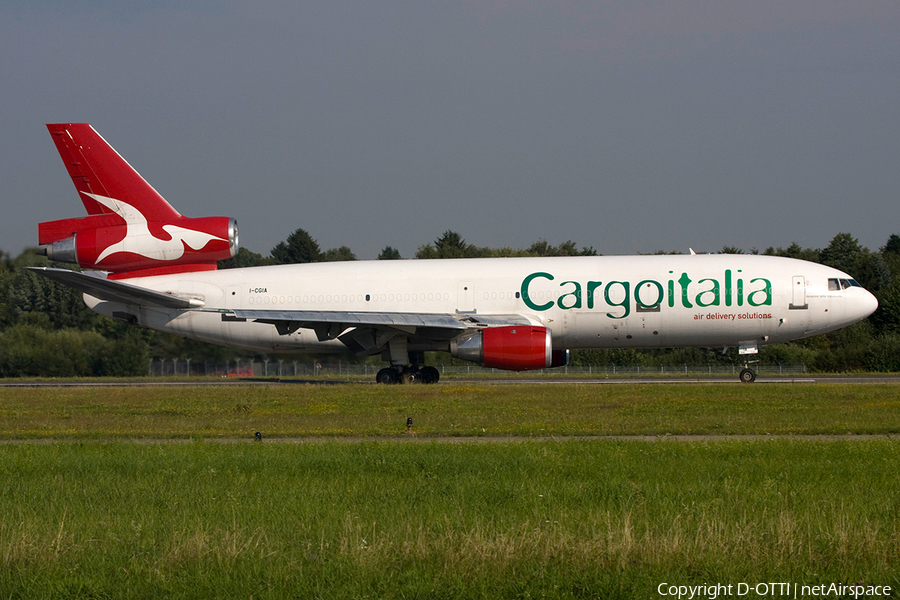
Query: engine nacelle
{"points": [[514, 348], [106, 242]]}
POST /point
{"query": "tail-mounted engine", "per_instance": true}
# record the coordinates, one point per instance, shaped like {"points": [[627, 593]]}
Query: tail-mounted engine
{"points": [[514, 348], [110, 243]]}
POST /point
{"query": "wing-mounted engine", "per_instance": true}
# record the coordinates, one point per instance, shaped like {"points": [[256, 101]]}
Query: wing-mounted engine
{"points": [[514, 348], [112, 243]]}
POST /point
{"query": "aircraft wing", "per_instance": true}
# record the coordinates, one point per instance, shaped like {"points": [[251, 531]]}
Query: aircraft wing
{"points": [[94, 284], [311, 318], [366, 332]]}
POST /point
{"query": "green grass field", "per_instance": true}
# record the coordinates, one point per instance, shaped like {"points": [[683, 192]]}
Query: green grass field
{"points": [[463, 409], [111, 512]]}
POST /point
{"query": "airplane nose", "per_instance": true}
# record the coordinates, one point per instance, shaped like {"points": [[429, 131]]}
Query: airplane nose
{"points": [[867, 304]]}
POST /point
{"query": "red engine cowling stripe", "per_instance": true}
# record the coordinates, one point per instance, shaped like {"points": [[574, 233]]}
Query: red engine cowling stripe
{"points": [[517, 348]]}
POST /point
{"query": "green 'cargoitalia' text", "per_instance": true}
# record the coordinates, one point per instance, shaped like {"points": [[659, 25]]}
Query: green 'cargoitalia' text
{"points": [[649, 294]]}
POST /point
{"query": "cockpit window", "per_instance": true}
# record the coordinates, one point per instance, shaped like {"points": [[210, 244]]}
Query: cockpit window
{"points": [[836, 285]]}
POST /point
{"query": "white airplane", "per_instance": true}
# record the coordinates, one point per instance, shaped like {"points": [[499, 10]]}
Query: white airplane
{"points": [[148, 265]]}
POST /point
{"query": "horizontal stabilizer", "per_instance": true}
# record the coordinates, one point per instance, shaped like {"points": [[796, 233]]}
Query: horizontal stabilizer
{"points": [[115, 291], [53, 231]]}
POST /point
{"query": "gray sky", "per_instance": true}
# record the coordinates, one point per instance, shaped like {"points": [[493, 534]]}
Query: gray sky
{"points": [[629, 126]]}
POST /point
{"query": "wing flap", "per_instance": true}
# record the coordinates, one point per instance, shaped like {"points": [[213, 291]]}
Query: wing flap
{"points": [[311, 318], [497, 320]]}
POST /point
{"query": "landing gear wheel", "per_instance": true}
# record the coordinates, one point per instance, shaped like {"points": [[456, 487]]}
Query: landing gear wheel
{"points": [[387, 376], [748, 376], [430, 375], [410, 374]]}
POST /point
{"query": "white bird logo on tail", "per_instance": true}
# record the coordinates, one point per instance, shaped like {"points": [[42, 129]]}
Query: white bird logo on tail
{"points": [[138, 239]]}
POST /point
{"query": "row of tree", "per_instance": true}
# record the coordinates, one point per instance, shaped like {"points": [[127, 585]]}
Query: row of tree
{"points": [[46, 330], [301, 247]]}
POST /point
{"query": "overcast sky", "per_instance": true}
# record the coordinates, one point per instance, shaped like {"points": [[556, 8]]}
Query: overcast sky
{"points": [[630, 126]]}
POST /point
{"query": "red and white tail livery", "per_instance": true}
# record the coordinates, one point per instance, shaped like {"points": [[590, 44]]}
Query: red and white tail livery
{"points": [[148, 265], [130, 227]]}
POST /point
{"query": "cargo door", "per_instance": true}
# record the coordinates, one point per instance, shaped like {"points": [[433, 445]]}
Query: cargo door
{"points": [[465, 297], [798, 293]]}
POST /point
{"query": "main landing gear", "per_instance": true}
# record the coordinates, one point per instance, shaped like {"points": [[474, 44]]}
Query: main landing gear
{"points": [[405, 365], [407, 374]]}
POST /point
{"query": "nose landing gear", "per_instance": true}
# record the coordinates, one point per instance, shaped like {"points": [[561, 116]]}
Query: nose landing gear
{"points": [[748, 375]]}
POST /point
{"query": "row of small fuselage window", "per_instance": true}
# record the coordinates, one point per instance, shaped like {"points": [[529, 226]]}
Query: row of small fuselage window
{"points": [[415, 297], [834, 285]]}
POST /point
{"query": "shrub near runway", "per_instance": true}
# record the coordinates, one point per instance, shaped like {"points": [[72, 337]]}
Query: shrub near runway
{"points": [[447, 410], [571, 519]]}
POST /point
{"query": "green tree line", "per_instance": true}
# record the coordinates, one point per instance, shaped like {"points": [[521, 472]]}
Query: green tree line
{"points": [[46, 330]]}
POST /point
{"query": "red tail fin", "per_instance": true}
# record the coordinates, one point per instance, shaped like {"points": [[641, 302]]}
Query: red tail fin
{"points": [[96, 168]]}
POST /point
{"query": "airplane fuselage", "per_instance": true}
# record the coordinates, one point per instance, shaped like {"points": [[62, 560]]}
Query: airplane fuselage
{"points": [[586, 302]]}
